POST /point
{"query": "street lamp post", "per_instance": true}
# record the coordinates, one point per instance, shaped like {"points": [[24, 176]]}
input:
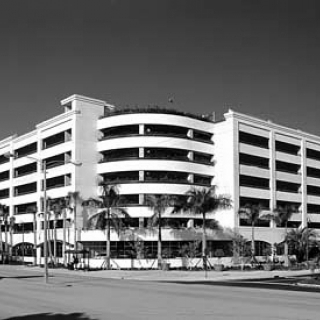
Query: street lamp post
{"points": [[45, 230], [43, 163]]}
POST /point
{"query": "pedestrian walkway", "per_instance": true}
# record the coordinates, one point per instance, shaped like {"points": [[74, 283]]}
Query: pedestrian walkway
{"points": [[171, 275]]}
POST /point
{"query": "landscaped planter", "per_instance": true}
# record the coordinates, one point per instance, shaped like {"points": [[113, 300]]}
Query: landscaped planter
{"points": [[268, 267], [312, 266], [165, 266], [218, 267]]}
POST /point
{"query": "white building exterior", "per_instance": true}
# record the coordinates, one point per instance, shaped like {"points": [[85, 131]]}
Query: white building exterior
{"points": [[249, 159]]}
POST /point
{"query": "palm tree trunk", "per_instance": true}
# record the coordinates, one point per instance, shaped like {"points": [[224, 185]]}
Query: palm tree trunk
{"points": [[54, 239], [1, 243], [49, 242], [34, 239], [11, 244], [108, 241], [253, 253], [286, 249], [159, 243], [64, 235], [75, 228], [204, 242], [6, 240]]}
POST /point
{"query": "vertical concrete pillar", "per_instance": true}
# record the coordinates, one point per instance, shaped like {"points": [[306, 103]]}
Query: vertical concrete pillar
{"points": [[141, 128], [236, 167], [141, 223], [272, 173], [141, 199], [304, 184]]}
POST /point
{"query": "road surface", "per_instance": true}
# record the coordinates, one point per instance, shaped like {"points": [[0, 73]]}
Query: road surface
{"points": [[25, 296]]}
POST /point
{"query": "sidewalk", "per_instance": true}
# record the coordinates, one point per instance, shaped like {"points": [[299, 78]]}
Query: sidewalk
{"points": [[172, 275]]}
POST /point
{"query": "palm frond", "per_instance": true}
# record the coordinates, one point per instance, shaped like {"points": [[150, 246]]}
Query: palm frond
{"points": [[91, 202], [106, 209], [205, 200], [96, 217], [32, 209], [153, 221], [284, 213], [73, 199], [213, 224], [109, 195], [253, 212], [159, 203], [4, 211], [12, 221]]}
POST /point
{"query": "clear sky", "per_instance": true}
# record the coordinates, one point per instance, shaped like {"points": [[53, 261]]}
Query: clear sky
{"points": [[260, 57]]}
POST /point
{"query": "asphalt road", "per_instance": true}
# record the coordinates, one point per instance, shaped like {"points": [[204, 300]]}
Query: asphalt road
{"points": [[24, 295]]}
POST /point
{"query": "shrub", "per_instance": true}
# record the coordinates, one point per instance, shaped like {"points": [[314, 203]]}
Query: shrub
{"points": [[156, 109]]}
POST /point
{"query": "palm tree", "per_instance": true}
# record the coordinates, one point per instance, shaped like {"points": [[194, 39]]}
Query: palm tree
{"points": [[253, 213], [108, 213], [282, 214], [33, 209], [201, 202], [1, 242], [46, 211], [12, 221], [239, 245], [158, 204], [4, 213], [54, 207], [301, 240], [6, 227], [58, 207], [49, 241], [73, 200]]}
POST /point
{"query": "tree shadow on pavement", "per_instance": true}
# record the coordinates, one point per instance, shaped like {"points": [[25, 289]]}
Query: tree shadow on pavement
{"points": [[53, 316]]}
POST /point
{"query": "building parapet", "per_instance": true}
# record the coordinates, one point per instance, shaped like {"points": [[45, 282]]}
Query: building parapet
{"points": [[158, 110], [269, 124], [6, 141], [84, 99]]}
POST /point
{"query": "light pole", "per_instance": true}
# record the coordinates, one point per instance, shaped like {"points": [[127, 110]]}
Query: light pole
{"points": [[43, 163]]}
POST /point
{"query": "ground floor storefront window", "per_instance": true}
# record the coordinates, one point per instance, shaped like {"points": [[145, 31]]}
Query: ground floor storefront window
{"points": [[148, 249]]}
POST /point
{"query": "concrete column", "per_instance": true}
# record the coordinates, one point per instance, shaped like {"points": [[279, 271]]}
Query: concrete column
{"points": [[272, 172], [141, 128], [304, 184], [141, 198], [236, 168], [39, 260], [11, 177]]}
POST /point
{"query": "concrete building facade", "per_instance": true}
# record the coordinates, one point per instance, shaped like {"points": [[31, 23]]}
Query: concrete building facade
{"points": [[155, 151]]}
